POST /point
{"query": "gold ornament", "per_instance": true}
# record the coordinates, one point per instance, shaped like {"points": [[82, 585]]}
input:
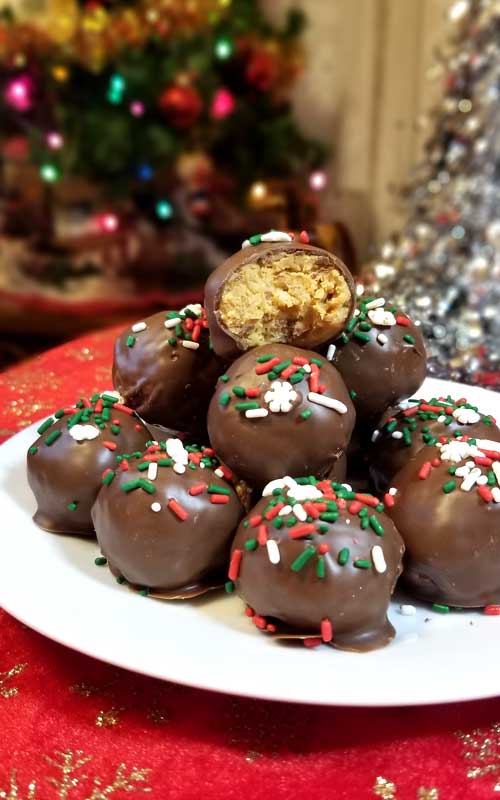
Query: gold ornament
{"points": [[61, 20], [10, 691]]}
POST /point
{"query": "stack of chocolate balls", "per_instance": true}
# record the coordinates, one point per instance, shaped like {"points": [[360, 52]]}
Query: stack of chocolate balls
{"points": [[300, 386]]}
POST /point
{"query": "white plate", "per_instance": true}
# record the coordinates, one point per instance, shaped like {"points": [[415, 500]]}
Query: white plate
{"points": [[50, 583]]}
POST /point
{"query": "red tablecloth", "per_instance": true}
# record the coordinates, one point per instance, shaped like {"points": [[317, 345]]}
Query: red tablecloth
{"points": [[74, 728]]}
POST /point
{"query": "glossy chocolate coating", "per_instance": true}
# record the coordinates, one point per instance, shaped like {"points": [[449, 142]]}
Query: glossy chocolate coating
{"points": [[166, 384], [387, 454], [158, 550], [354, 599], [224, 344], [68, 471], [258, 450], [381, 375], [452, 540]]}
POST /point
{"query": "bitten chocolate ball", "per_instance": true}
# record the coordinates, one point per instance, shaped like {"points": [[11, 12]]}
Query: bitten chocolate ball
{"points": [[280, 410], [422, 423], [277, 290], [318, 560], [76, 445], [447, 510], [381, 357], [167, 523], [165, 369]]}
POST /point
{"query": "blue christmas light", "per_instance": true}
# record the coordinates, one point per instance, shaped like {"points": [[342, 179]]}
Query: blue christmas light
{"points": [[145, 172]]}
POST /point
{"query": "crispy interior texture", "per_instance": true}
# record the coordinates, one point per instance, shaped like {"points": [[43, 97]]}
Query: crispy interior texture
{"points": [[285, 298]]}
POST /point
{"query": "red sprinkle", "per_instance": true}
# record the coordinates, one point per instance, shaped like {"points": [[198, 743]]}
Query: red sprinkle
{"points": [[304, 237], [355, 507], [403, 320], [258, 620], [436, 462], [300, 361], [425, 470], [312, 510], [274, 511], [299, 531], [323, 548], [436, 409], [196, 332], [109, 445], [271, 628], [154, 448], [326, 630], [86, 402], [262, 536], [341, 503], [367, 499], [249, 611], [322, 388], [234, 564], [492, 611], [121, 407], [195, 458], [491, 454], [177, 509], [198, 488], [219, 499], [485, 494], [288, 371], [314, 378], [98, 406], [410, 411], [252, 392], [208, 451], [255, 520], [226, 472], [124, 464], [312, 641], [389, 500], [188, 324], [483, 461], [106, 471], [261, 369]]}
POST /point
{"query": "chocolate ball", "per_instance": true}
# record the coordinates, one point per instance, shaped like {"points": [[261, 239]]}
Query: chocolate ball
{"points": [[167, 523], [381, 356], [447, 509], [280, 410], [416, 424], [317, 560], [76, 445], [277, 290], [165, 369]]}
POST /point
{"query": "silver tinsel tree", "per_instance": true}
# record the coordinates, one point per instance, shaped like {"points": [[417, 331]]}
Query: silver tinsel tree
{"points": [[444, 266]]}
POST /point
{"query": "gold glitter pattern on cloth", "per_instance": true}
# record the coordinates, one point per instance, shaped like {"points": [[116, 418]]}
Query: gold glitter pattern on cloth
{"points": [[109, 692], [5, 677], [386, 789], [67, 776], [482, 752], [108, 719]]}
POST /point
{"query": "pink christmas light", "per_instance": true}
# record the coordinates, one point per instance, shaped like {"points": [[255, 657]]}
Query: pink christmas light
{"points": [[54, 140], [137, 108], [18, 93], [222, 104]]}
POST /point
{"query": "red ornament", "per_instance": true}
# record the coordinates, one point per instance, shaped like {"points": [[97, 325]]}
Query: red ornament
{"points": [[262, 70], [181, 104]]}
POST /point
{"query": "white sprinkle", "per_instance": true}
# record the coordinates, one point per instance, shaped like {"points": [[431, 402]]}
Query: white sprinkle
{"points": [[255, 413], [331, 352], [397, 434], [306, 368], [347, 521], [360, 289], [304, 492], [190, 345], [380, 317], [273, 551], [495, 492], [300, 512], [155, 507], [382, 338], [470, 479], [152, 470], [378, 559], [276, 236], [280, 397], [380, 301], [328, 402], [347, 487], [393, 491], [496, 470], [357, 312], [462, 472], [278, 483], [488, 444], [171, 323], [457, 451], [441, 418], [81, 433], [138, 327], [245, 244], [482, 480], [284, 511], [196, 308], [179, 468], [176, 450], [218, 472], [470, 464], [201, 465], [407, 610], [375, 435]]}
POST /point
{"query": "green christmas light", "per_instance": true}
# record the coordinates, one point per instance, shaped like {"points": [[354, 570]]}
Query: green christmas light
{"points": [[49, 173], [223, 48], [116, 89], [164, 209]]}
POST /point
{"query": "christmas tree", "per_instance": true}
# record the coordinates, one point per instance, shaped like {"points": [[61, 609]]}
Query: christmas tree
{"points": [[164, 118], [444, 266]]}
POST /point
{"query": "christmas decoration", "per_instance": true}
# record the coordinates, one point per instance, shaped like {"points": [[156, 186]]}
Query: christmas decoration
{"points": [[444, 266]]}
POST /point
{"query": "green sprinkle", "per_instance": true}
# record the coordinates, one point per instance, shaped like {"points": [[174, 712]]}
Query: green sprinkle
{"points": [[172, 314], [364, 523], [361, 337], [179, 331], [224, 378], [407, 437], [362, 563], [263, 359], [109, 398], [95, 397], [320, 567], [224, 398], [109, 476], [296, 377], [323, 528], [73, 506], [246, 524], [271, 376], [282, 365], [316, 361], [229, 587], [165, 462], [363, 512], [409, 338], [45, 426], [172, 341], [449, 486], [343, 556], [100, 561], [440, 608], [33, 451], [60, 413], [52, 437], [115, 429], [144, 592], [452, 470], [351, 324], [376, 526], [329, 516], [129, 486], [130, 341], [278, 523], [239, 391], [248, 406], [251, 544], [137, 454], [120, 579], [353, 393], [491, 478], [303, 558], [306, 413], [147, 485], [255, 239], [365, 326], [212, 488], [391, 426], [344, 338]]}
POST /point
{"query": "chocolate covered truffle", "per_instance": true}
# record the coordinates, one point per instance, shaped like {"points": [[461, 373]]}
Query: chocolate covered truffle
{"points": [[280, 410], [76, 445], [166, 523], [447, 510], [381, 356], [166, 370], [422, 423], [317, 560], [276, 289]]}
